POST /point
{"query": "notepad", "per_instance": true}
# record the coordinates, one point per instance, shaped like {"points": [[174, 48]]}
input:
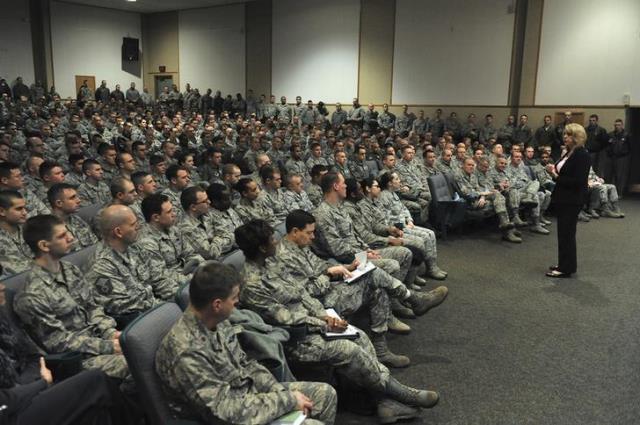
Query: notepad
{"points": [[292, 418], [350, 333], [359, 272]]}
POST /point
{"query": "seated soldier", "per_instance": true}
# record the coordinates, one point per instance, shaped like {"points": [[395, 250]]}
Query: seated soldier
{"points": [[314, 190], [195, 230], [126, 165], [502, 183], [222, 218], [187, 161], [284, 301], [145, 185], [50, 174], [316, 157], [482, 198], [11, 179], [273, 194], [529, 192], [340, 164], [412, 178], [230, 177], [64, 201], [262, 160], [603, 198], [252, 205], [171, 259], [93, 191], [208, 377], [158, 167], [445, 164], [58, 307], [325, 281], [178, 180], [121, 278], [74, 175], [396, 214], [295, 197], [428, 166], [358, 166], [295, 164], [15, 255]]}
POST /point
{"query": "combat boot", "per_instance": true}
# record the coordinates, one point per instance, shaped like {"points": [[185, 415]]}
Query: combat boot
{"points": [[544, 220], [536, 227], [606, 211], [529, 201], [411, 396], [434, 272], [419, 281], [616, 209], [391, 411], [583, 217], [385, 356], [504, 221], [397, 326], [517, 221], [593, 213], [510, 236], [401, 310], [421, 303]]}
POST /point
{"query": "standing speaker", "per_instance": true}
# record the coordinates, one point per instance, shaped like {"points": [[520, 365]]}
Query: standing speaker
{"points": [[130, 49]]}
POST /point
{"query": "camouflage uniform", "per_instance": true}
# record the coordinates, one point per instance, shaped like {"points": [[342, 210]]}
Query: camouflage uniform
{"points": [[276, 202], [35, 206], [315, 194], [487, 132], [122, 282], [255, 210], [15, 255], [161, 181], [81, 231], [74, 178], [338, 118], [418, 187], [283, 301], [297, 167], [174, 197], [269, 110], [337, 238], [166, 253], [528, 189], [223, 224], [207, 376], [359, 169], [297, 201], [196, 233], [98, 194], [386, 120], [285, 113], [59, 311], [403, 123], [468, 188]]}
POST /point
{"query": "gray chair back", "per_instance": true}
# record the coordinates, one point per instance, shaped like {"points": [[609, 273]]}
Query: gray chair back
{"points": [[140, 341], [13, 286], [89, 213], [182, 296], [373, 167], [235, 259], [439, 187], [280, 230], [81, 257]]}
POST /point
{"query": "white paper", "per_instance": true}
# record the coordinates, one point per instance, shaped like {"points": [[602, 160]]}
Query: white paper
{"points": [[359, 272], [351, 330]]}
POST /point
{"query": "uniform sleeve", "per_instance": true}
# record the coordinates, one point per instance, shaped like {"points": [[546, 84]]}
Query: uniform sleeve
{"points": [[165, 281], [338, 246], [51, 332], [197, 378], [199, 243]]}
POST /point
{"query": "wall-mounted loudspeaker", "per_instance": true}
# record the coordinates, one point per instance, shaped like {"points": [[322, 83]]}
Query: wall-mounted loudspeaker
{"points": [[130, 49]]}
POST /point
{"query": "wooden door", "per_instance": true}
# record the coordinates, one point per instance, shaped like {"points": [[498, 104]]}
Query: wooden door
{"points": [[90, 79]]}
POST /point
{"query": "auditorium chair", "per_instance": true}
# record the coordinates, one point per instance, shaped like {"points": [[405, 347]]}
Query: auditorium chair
{"points": [[89, 212], [13, 285], [235, 259], [373, 167], [140, 341], [444, 211], [81, 257], [280, 230]]}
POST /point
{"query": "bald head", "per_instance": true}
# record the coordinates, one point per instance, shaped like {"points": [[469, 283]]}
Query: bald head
{"points": [[119, 222]]}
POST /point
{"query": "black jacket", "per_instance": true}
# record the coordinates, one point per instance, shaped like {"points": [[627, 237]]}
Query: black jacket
{"points": [[571, 185]]}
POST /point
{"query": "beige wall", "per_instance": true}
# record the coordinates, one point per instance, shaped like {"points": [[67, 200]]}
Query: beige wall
{"points": [[258, 61], [160, 47], [377, 28]]}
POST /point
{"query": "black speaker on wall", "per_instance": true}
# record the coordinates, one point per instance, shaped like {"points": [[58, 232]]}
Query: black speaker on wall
{"points": [[130, 49]]}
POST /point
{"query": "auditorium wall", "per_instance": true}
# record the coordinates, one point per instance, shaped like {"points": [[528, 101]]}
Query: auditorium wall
{"points": [[88, 41], [16, 54]]}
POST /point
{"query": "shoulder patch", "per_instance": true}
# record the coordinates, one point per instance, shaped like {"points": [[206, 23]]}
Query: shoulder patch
{"points": [[103, 286]]}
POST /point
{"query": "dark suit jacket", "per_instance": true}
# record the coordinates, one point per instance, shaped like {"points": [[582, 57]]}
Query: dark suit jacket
{"points": [[571, 184]]}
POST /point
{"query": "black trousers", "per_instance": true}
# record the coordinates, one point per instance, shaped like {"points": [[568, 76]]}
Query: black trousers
{"points": [[567, 216], [88, 398]]}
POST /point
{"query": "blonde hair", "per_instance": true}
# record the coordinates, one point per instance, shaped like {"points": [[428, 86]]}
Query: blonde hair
{"points": [[576, 131]]}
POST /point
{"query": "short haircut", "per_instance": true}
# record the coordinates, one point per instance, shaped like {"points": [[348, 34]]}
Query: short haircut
{"points": [[182, 157], [46, 168], [328, 180], [55, 192], [298, 219], [242, 184], [7, 196], [75, 157], [318, 169], [39, 228], [138, 177], [215, 191], [251, 236], [6, 168], [172, 171], [385, 179], [367, 183], [152, 204], [352, 187], [228, 169], [267, 172], [315, 145], [104, 147], [117, 185], [136, 144], [88, 164], [156, 159], [212, 281], [189, 196]]}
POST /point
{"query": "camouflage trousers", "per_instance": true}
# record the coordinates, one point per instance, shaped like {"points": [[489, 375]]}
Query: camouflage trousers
{"points": [[324, 397], [396, 260], [497, 203], [602, 194], [423, 239], [114, 365], [355, 359], [367, 293], [420, 206]]}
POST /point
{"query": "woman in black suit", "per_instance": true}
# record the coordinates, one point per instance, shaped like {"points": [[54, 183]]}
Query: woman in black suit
{"points": [[569, 195]]}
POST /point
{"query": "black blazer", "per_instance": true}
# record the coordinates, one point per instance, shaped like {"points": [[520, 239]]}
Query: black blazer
{"points": [[572, 182]]}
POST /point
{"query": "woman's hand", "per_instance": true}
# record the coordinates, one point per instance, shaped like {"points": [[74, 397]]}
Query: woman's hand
{"points": [[45, 373]]}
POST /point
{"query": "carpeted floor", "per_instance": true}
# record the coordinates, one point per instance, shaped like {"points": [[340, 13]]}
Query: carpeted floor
{"points": [[511, 346]]}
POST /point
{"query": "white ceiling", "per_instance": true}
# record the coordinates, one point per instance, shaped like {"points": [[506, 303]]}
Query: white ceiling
{"points": [[153, 6]]}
